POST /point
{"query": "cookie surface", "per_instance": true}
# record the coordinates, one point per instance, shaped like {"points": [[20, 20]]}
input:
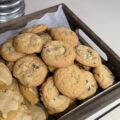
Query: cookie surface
{"points": [[31, 94], [36, 29], [87, 56], [103, 76], [30, 71], [28, 43], [22, 113], [9, 53], [52, 99], [38, 113], [90, 87], [64, 34], [15, 88], [58, 54], [70, 81], [5, 75], [10, 99]]}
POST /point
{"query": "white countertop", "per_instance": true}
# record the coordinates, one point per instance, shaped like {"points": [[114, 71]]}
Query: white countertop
{"points": [[102, 16]]}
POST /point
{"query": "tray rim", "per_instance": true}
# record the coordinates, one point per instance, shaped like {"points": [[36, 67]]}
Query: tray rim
{"points": [[91, 35]]}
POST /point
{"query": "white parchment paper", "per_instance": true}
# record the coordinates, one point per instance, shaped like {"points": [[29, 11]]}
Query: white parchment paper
{"points": [[53, 19]]}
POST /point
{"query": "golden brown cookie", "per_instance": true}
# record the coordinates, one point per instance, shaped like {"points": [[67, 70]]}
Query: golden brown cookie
{"points": [[90, 87], [64, 34], [8, 102], [10, 65], [10, 99], [52, 99], [38, 113], [22, 113], [103, 76], [5, 76], [87, 56], [36, 29], [9, 53], [28, 43], [15, 88], [30, 71], [30, 93], [70, 81], [58, 54]]}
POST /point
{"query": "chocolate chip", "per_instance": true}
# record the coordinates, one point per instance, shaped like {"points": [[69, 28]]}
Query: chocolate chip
{"points": [[35, 66], [89, 89], [54, 99], [97, 74], [90, 52], [5, 90], [87, 81], [77, 81]]}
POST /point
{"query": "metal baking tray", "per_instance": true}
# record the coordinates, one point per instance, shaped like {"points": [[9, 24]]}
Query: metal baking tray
{"points": [[81, 109]]}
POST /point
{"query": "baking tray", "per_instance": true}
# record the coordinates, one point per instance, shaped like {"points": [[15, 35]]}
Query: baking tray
{"points": [[81, 110]]}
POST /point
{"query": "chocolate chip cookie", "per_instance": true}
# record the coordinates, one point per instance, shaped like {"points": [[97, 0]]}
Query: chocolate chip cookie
{"points": [[9, 53], [30, 71], [103, 76], [70, 81], [52, 99], [64, 34], [36, 29], [91, 86], [87, 56], [58, 54], [28, 43]]}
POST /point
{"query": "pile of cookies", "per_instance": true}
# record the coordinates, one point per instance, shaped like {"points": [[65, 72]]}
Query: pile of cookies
{"points": [[48, 65]]}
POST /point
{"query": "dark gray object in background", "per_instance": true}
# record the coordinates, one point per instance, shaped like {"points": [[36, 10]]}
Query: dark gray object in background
{"points": [[11, 9]]}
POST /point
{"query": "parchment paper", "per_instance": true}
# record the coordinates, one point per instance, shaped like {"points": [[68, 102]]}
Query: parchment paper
{"points": [[53, 19]]}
